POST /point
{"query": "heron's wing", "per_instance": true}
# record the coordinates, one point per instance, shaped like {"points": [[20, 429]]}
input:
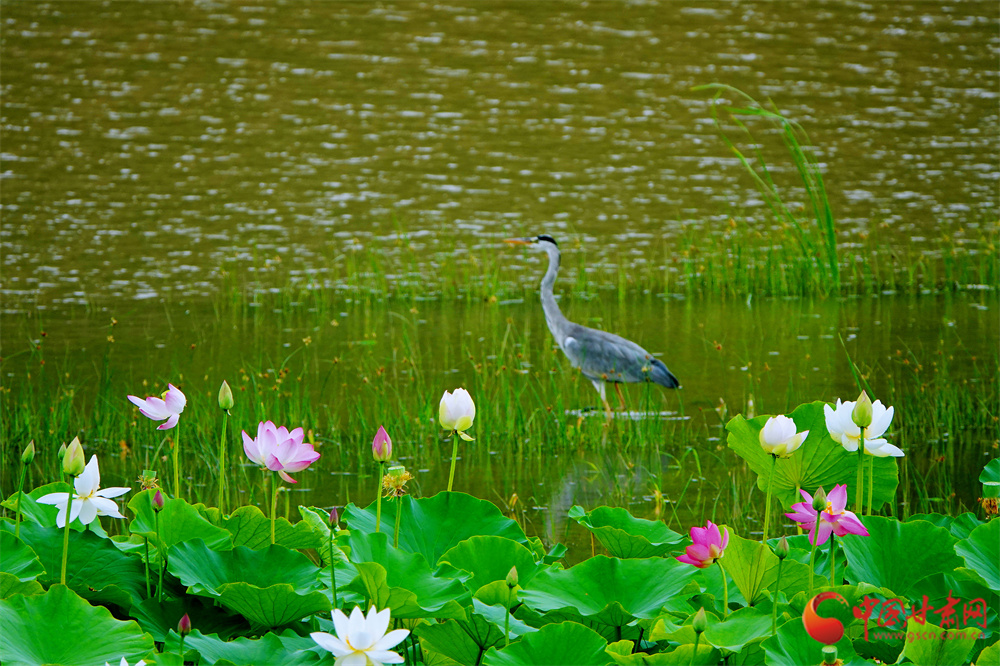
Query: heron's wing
{"points": [[607, 356]]}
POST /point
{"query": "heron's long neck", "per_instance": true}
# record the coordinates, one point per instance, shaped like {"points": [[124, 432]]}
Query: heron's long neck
{"points": [[553, 315]]}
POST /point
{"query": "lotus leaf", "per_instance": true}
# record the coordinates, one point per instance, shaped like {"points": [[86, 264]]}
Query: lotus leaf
{"points": [[59, 627], [393, 578], [433, 525], [754, 569], [609, 590], [566, 643], [179, 522], [96, 569], [269, 587], [878, 559], [930, 645], [490, 558], [624, 535], [820, 461], [981, 552]]}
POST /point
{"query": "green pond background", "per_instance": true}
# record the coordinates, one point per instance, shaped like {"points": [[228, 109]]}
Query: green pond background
{"points": [[316, 193]]}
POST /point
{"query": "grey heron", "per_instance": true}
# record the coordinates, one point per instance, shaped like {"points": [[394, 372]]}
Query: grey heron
{"points": [[602, 357]]}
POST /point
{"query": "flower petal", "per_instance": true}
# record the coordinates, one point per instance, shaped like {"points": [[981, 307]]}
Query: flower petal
{"points": [[838, 498], [112, 492], [392, 638], [54, 498], [105, 507], [331, 644], [89, 480], [284, 475], [378, 622], [155, 408], [174, 400], [385, 656], [340, 623], [171, 422], [88, 512]]}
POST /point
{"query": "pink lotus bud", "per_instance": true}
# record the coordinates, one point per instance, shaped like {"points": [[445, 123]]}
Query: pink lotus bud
{"points": [[158, 501], [184, 626], [334, 517], [381, 446]]}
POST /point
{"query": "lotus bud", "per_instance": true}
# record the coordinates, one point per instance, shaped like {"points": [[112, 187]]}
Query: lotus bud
{"points": [[334, 518], [512, 578], [73, 461], [184, 626], [381, 446], [29, 453], [781, 550], [225, 396], [862, 414], [62, 452], [819, 500], [700, 621], [158, 501]]}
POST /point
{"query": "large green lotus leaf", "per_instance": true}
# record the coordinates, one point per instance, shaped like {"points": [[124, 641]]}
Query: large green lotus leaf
{"points": [[251, 528], [45, 514], [159, 619], [490, 558], [959, 526], [621, 653], [11, 585], [433, 525], [624, 535], [462, 641], [18, 559], [989, 655], [497, 615], [179, 522], [897, 555], [741, 627], [929, 645], [402, 581], [820, 461], [566, 643], [95, 569], [286, 648], [59, 627], [981, 552], [754, 569], [269, 587], [990, 478], [609, 590], [792, 645]]}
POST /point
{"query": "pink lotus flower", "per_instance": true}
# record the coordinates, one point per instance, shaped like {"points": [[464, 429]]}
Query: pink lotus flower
{"points": [[707, 547], [279, 450], [834, 519], [381, 446], [168, 407]]}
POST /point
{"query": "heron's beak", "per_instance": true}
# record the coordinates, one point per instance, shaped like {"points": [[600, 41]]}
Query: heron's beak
{"points": [[519, 241]]}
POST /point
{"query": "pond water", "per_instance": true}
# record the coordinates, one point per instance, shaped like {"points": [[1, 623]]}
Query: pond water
{"points": [[149, 145]]}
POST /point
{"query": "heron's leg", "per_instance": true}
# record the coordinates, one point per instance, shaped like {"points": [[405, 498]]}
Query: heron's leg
{"points": [[599, 385], [621, 398]]}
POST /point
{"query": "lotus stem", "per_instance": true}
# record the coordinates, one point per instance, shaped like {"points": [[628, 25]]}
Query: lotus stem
{"points": [[177, 461], [812, 557], [222, 463], [454, 457], [17, 509], [833, 560], [163, 558], [399, 514], [181, 653], [767, 502], [506, 619], [69, 505], [774, 599], [861, 475], [694, 655], [333, 572], [725, 592], [871, 484], [274, 502], [378, 498], [145, 542], [798, 526]]}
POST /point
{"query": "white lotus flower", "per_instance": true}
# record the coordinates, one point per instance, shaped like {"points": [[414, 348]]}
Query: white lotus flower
{"points": [[88, 502], [361, 640], [840, 423], [457, 411], [124, 662], [778, 436]]}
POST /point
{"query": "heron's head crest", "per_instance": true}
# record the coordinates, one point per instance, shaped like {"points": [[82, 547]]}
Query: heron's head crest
{"points": [[546, 238]]}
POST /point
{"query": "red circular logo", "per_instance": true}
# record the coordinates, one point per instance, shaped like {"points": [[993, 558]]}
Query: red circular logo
{"points": [[826, 630]]}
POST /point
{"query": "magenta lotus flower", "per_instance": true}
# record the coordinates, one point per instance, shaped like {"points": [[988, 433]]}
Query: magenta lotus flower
{"points": [[279, 450], [832, 520], [707, 547], [168, 407]]}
